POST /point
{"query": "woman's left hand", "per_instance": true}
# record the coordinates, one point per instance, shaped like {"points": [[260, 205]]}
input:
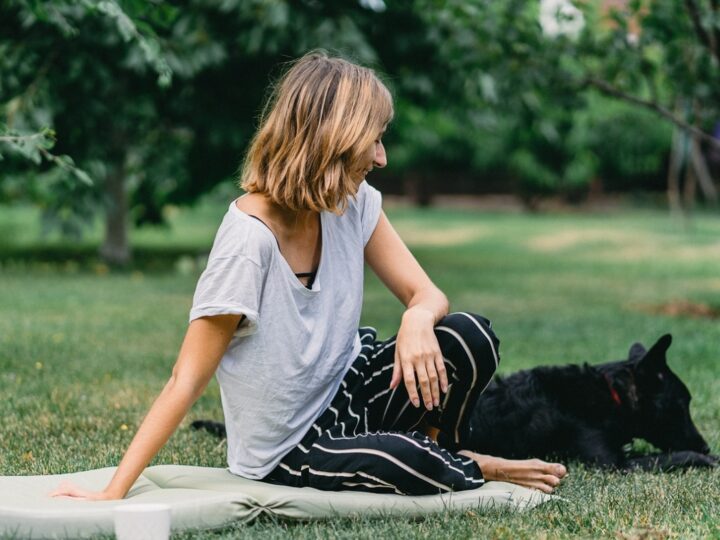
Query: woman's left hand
{"points": [[417, 352], [68, 489]]}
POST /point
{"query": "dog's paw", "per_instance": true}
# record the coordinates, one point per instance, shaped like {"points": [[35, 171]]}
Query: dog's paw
{"points": [[695, 459]]}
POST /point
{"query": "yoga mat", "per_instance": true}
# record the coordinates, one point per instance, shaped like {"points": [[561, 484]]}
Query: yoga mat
{"points": [[209, 498]]}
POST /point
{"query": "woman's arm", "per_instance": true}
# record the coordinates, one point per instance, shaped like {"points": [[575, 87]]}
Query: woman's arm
{"points": [[205, 343], [417, 351]]}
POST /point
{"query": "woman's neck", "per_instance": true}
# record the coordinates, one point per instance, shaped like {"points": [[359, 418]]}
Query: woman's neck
{"points": [[289, 222]]}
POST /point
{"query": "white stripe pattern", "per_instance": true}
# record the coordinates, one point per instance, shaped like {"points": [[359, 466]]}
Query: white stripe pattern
{"points": [[490, 341], [389, 402], [429, 450], [378, 372], [350, 411], [340, 474], [367, 484], [381, 349], [426, 449], [379, 395], [391, 459], [474, 374], [407, 403]]}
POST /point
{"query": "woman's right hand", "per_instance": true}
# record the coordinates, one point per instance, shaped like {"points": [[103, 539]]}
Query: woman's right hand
{"points": [[68, 489], [205, 343]]}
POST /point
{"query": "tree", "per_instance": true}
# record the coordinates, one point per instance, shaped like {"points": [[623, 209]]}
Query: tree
{"points": [[666, 58], [660, 55], [513, 84], [74, 65], [153, 101]]}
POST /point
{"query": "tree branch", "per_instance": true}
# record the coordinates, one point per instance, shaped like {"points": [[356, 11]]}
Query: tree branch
{"points": [[715, 6], [706, 39], [14, 139], [64, 162], [610, 90], [27, 94]]}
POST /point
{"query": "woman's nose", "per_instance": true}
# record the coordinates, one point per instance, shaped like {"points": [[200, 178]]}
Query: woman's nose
{"points": [[380, 156]]}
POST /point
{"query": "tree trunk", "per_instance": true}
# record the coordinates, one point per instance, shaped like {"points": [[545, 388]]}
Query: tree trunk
{"points": [[702, 173], [689, 189], [417, 188], [698, 165], [673, 177], [116, 248]]}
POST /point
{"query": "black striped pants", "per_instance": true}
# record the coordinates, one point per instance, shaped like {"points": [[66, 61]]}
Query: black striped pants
{"points": [[366, 441]]}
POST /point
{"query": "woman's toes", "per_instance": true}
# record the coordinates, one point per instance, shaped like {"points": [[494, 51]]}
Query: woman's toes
{"points": [[551, 480], [541, 486], [556, 469]]}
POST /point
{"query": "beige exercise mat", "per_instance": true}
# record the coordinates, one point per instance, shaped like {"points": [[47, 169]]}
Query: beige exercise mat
{"points": [[206, 498]]}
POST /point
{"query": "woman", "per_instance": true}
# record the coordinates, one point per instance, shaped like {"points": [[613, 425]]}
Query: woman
{"points": [[308, 399]]}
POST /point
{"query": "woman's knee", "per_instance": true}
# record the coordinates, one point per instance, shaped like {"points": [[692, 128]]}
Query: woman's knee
{"points": [[475, 333]]}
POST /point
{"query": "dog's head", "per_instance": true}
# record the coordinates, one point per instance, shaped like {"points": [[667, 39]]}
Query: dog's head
{"points": [[663, 401]]}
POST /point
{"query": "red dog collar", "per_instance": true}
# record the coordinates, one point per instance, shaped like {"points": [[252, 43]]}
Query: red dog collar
{"points": [[613, 393]]}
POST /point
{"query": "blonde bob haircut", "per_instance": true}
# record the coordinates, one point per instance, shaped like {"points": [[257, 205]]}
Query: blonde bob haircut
{"points": [[314, 132]]}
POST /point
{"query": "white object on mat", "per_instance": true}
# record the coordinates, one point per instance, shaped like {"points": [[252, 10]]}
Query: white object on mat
{"points": [[208, 498], [142, 521]]}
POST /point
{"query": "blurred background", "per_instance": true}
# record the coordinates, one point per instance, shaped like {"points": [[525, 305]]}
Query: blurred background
{"points": [[115, 113]]}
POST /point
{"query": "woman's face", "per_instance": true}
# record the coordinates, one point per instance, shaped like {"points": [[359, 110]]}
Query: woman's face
{"points": [[374, 156]]}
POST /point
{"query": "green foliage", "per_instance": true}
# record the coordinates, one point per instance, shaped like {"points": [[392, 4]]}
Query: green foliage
{"points": [[631, 144], [427, 138], [512, 80], [163, 97], [167, 97], [35, 147], [661, 55], [134, 21], [57, 184], [668, 58], [72, 65]]}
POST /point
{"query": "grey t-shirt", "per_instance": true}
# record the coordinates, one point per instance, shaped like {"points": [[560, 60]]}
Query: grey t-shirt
{"points": [[288, 357]]}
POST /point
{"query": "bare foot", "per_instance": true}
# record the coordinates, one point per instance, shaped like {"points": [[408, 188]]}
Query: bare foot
{"points": [[532, 473]]}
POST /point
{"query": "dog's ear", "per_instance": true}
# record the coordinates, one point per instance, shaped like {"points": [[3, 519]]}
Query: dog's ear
{"points": [[636, 352], [654, 360]]}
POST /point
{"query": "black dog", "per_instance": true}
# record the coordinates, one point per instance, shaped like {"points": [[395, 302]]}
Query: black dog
{"points": [[585, 413], [589, 413]]}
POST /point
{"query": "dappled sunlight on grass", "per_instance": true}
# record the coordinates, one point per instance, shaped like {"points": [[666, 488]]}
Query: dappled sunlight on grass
{"points": [[452, 235], [567, 239]]}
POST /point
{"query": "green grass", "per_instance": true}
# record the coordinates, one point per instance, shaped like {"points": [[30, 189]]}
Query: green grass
{"points": [[84, 351]]}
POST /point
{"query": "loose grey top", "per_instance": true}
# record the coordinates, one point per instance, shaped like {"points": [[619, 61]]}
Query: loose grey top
{"points": [[287, 358]]}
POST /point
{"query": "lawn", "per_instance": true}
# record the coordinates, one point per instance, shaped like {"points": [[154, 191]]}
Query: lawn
{"points": [[84, 350]]}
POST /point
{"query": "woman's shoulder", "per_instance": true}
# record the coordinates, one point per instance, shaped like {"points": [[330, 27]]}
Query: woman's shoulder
{"points": [[367, 194], [250, 204], [242, 235], [365, 205], [357, 203]]}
